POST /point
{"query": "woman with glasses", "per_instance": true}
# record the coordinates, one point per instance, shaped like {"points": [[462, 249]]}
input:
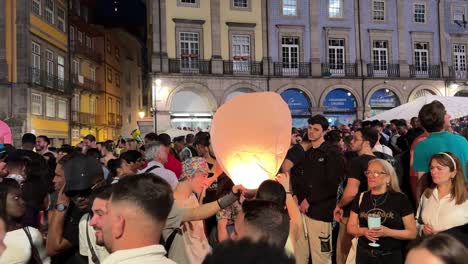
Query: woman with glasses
{"points": [[446, 205], [388, 213]]}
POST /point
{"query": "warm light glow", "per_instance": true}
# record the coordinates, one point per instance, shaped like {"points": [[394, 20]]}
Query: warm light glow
{"points": [[158, 82], [141, 114], [454, 86], [250, 140]]}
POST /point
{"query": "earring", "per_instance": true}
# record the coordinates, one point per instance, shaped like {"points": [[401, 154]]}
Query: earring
{"points": [[388, 184]]}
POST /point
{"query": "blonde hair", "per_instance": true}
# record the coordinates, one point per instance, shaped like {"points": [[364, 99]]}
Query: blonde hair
{"points": [[390, 172]]}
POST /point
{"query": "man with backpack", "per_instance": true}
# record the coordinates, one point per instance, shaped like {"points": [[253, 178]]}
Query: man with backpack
{"points": [[156, 153]]}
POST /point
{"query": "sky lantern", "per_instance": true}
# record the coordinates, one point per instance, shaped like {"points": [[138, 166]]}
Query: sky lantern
{"points": [[250, 137]]}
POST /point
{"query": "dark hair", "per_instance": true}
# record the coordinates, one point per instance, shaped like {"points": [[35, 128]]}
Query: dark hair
{"points": [[333, 136], [28, 138], [366, 123], [131, 156], [267, 218], [90, 138], [246, 251], [225, 185], [431, 116], [66, 158], [93, 152], [180, 139], [165, 139], [444, 247], [319, 120], [102, 192], [109, 145], [16, 162], [189, 138], [203, 138], [151, 137], [45, 138], [150, 193], [65, 149], [369, 134], [6, 186], [113, 165], [272, 191], [376, 123]]}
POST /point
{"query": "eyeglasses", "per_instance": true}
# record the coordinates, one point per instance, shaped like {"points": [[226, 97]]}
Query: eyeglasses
{"points": [[374, 174]]}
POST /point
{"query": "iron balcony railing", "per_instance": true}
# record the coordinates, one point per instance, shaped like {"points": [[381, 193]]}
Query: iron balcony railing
{"points": [[383, 70], [81, 118], [339, 69], [457, 73], [81, 48], [190, 66], [85, 83], [242, 67], [301, 69], [49, 81], [425, 71]]}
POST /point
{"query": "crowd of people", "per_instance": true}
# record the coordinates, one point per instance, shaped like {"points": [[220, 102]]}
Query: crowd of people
{"points": [[367, 192]]}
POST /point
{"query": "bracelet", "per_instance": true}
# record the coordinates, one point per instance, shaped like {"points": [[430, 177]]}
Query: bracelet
{"points": [[289, 193], [227, 200]]}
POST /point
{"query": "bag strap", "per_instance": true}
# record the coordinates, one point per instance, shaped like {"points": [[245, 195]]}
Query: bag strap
{"points": [[359, 204], [34, 253], [169, 241], [94, 256], [152, 168]]}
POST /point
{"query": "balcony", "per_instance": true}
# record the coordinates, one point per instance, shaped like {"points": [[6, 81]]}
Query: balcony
{"points": [[339, 70], [242, 67], [456, 73], [80, 48], [291, 69], [111, 119], [87, 84], [83, 119], [425, 71], [49, 82], [383, 70], [190, 66], [119, 120]]}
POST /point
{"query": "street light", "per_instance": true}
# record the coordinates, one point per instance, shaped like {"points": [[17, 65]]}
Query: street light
{"points": [[141, 114]]}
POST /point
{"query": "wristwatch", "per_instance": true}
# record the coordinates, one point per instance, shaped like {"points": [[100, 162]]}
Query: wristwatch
{"points": [[61, 207]]}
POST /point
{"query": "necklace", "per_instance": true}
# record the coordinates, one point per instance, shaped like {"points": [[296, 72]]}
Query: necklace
{"points": [[376, 201]]}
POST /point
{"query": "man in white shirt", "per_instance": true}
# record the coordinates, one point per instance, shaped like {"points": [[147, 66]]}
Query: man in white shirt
{"points": [[136, 213], [157, 154]]}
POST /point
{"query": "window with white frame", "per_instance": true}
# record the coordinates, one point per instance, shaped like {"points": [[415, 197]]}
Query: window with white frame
{"points": [[72, 34], [188, 1], [36, 7], [76, 67], [335, 8], [36, 62], [49, 67], [80, 37], [241, 3], [62, 109], [289, 7], [36, 104], [61, 18], [189, 43], [421, 56], [88, 41], [380, 55], [378, 10], [93, 73], [241, 52], [49, 11], [61, 71], [459, 56], [420, 13], [50, 106], [76, 103], [336, 54], [290, 53], [458, 13]]}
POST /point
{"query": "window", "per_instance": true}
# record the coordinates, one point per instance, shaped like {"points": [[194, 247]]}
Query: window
{"points": [[335, 8], [93, 74], [378, 10], [88, 42], [117, 53], [241, 3], [241, 53], [189, 49], [380, 55], [76, 103], [458, 13], [290, 54], [36, 104], [117, 107], [76, 67], [36, 7], [109, 75], [50, 107], [117, 79], [61, 18], [336, 56], [188, 1], [421, 57], [72, 34], [50, 68], [62, 109], [36, 62], [80, 37], [49, 11], [108, 46], [459, 57], [109, 105], [92, 105], [61, 71], [128, 99], [289, 8], [419, 13]]}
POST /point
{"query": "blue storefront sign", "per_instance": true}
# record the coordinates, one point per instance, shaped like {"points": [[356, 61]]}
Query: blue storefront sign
{"points": [[384, 99], [339, 100], [298, 103]]}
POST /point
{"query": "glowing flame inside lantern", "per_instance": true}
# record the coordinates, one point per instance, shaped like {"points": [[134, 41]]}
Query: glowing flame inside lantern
{"points": [[250, 139]]}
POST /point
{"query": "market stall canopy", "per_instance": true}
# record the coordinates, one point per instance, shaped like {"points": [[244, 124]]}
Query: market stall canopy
{"points": [[456, 106], [174, 132]]}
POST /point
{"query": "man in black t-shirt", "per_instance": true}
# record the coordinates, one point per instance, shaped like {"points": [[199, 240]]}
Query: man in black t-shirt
{"points": [[362, 143]]}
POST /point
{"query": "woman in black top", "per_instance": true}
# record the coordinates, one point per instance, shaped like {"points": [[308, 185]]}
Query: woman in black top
{"points": [[385, 199]]}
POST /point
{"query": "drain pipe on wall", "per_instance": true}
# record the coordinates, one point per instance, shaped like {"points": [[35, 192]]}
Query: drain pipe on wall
{"points": [[360, 60]]}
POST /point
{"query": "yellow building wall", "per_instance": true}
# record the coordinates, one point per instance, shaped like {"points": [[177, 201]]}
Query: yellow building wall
{"points": [[84, 103], [48, 32], [43, 127], [253, 16], [200, 13], [10, 40]]}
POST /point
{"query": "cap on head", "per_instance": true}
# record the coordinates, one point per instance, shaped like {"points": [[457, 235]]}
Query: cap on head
{"points": [[80, 173]]}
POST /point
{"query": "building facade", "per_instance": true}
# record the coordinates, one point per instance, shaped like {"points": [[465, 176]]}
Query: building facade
{"points": [[346, 59]]}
